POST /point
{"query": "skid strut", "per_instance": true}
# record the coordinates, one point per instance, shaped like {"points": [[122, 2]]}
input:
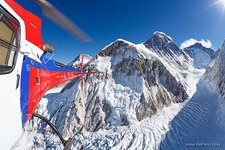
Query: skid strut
{"points": [[67, 144]]}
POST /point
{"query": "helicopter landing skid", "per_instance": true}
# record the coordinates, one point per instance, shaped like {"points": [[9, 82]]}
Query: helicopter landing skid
{"points": [[67, 144]]}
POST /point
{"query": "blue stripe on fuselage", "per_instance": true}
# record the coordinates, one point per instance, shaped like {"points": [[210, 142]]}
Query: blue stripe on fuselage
{"points": [[25, 78]]}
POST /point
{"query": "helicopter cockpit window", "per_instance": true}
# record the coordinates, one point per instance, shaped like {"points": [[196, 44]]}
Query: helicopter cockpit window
{"points": [[9, 33]]}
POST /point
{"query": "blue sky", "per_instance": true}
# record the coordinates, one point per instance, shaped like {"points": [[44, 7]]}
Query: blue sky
{"points": [[133, 20]]}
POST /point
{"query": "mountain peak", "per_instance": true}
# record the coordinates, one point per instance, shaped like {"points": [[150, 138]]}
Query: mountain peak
{"points": [[118, 42], [162, 35], [161, 42], [159, 39], [78, 60], [116, 48], [202, 56], [122, 40], [198, 45]]}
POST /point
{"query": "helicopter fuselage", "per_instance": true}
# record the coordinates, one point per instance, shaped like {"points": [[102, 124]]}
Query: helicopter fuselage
{"points": [[25, 73]]}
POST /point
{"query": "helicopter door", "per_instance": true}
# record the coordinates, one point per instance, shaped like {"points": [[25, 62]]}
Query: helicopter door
{"points": [[10, 70]]}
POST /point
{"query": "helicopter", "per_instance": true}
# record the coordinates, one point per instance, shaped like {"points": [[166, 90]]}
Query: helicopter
{"points": [[25, 72]]}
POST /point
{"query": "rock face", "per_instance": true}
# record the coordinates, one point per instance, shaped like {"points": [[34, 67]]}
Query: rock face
{"points": [[132, 83], [157, 87], [163, 46], [202, 56], [128, 87]]}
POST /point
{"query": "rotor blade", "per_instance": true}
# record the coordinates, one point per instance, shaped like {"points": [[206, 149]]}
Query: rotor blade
{"points": [[57, 17]]}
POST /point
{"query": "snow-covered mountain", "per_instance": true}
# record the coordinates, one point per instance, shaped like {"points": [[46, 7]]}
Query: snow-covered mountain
{"points": [[215, 77], [152, 86], [76, 63], [203, 116], [163, 45], [176, 60], [202, 56], [128, 104]]}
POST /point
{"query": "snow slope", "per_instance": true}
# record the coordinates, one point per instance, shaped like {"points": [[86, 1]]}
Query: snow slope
{"points": [[215, 76], [195, 126]]}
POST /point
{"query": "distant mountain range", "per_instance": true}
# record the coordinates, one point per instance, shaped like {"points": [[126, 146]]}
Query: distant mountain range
{"points": [[201, 55], [137, 90]]}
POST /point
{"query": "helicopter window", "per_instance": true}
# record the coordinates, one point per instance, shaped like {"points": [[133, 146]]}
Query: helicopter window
{"points": [[9, 32]]}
